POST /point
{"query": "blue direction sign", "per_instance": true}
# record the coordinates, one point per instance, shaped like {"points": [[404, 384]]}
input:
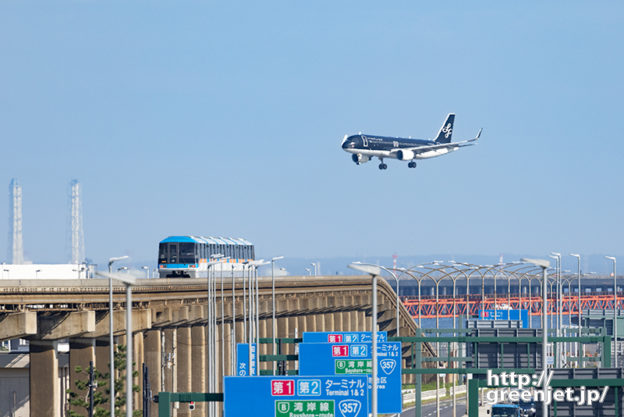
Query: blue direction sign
{"points": [[356, 359], [495, 314], [242, 359], [296, 396], [340, 337]]}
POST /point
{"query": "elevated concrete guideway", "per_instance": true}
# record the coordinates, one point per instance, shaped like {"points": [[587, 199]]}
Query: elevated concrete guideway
{"points": [[169, 324]]}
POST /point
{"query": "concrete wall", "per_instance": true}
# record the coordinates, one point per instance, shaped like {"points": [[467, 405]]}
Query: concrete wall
{"points": [[15, 384]]}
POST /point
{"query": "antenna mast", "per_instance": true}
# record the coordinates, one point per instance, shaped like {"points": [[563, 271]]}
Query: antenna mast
{"points": [[77, 231], [16, 246]]}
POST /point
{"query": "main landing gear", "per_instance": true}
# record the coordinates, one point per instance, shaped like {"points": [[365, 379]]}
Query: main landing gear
{"points": [[411, 164], [382, 165]]}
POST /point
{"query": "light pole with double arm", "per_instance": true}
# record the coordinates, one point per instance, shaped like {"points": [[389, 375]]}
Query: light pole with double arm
{"points": [[374, 271], [544, 264], [111, 339], [615, 315]]}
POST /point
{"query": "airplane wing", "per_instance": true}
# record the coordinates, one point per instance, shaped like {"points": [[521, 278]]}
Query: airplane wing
{"points": [[451, 145]]}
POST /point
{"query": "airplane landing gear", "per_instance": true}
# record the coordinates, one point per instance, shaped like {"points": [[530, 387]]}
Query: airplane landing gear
{"points": [[411, 164], [383, 166]]}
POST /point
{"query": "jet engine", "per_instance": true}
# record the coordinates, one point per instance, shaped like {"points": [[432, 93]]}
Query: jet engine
{"points": [[358, 158], [405, 155]]}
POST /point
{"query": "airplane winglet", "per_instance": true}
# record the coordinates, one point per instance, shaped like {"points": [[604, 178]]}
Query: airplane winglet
{"points": [[479, 134]]}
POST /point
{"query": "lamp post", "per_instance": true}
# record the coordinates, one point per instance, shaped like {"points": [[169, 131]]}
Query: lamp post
{"points": [[615, 315], [397, 299], [544, 264], [557, 256], [129, 281], [437, 288], [578, 274], [221, 257], [212, 319], [146, 269], [111, 340], [253, 310], [374, 271], [233, 344], [419, 280], [273, 330]]}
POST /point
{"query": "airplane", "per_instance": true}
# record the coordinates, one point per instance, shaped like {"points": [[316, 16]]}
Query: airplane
{"points": [[365, 147]]}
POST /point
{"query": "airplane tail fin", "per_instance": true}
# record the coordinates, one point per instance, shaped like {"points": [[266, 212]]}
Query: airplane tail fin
{"points": [[445, 132]]}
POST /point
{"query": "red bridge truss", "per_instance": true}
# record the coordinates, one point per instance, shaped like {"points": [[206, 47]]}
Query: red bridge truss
{"points": [[446, 306]]}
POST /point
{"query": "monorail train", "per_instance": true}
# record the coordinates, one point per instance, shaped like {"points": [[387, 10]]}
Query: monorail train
{"points": [[188, 256]]}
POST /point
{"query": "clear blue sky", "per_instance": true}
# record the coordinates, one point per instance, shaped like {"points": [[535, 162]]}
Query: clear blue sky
{"points": [[226, 119]]}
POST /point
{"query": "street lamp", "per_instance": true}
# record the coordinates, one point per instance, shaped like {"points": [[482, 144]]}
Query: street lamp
{"points": [[544, 264], [273, 330], [578, 274], [419, 280], [374, 271], [111, 339], [129, 281], [615, 317], [146, 269], [212, 321], [314, 266], [557, 256]]}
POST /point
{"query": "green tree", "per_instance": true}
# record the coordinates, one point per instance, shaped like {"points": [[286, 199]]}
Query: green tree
{"points": [[101, 392]]}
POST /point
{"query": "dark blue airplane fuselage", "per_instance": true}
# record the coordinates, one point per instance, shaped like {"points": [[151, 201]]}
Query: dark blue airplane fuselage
{"points": [[382, 143]]}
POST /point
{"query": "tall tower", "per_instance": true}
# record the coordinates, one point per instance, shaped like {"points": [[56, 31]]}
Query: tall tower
{"points": [[77, 231], [16, 246]]}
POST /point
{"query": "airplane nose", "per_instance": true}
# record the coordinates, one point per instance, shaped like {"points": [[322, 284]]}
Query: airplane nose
{"points": [[347, 144]]}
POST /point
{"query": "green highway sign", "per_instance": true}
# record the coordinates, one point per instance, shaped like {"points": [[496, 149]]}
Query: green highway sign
{"points": [[353, 367], [304, 408]]}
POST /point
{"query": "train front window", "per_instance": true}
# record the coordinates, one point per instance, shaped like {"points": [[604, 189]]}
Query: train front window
{"points": [[187, 253], [173, 253]]}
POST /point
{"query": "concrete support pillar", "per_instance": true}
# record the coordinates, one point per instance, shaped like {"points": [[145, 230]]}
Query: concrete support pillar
{"points": [[330, 325], [170, 359], [152, 352], [283, 329], [228, 349], [198, 359], [102, 358], [265, 332], [353, 321], [184, 370], [310, 319], [45, 395], [81, 352], [320, 322], [217, 364], [363, 323], [138, 358]]}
